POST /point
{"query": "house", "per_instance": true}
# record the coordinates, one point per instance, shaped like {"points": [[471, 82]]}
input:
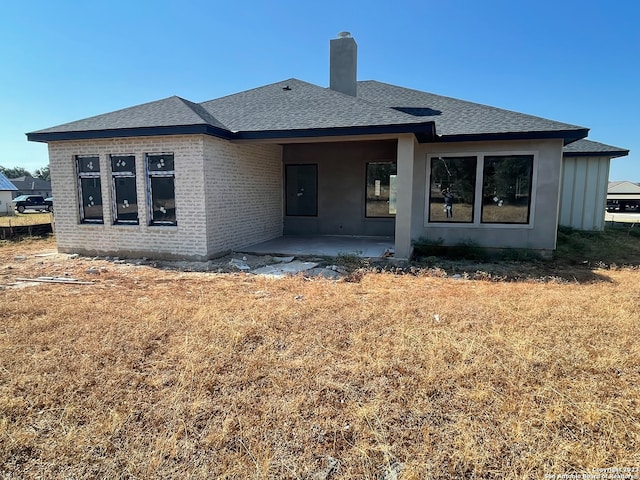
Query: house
{"points": [[28, 185], [178, 179], [6, 190], [623, 197], [585, 171]]}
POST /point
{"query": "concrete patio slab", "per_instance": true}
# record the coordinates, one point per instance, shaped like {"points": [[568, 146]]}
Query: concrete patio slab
{"points": [[326, 245]]}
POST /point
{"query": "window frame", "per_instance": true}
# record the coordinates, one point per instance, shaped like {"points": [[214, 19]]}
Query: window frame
{"points": [[482, 204], [477, 207], [118, 174], [468, 157], [366, 187], [159, 174], [84, 175]]}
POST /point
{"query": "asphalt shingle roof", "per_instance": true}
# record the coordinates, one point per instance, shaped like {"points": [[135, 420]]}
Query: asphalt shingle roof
{"points": [[167, 112], [583, 147], [293, 105], [31, 183], [457, 117]]}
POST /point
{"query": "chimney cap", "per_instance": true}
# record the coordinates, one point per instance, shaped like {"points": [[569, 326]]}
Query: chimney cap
{"points": [[344, 35]]}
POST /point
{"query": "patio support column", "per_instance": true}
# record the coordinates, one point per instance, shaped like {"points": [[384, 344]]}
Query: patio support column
{"points": [[404, 196]]}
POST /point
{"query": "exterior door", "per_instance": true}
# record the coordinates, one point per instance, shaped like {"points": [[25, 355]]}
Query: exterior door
{"points": [[301, 190]]}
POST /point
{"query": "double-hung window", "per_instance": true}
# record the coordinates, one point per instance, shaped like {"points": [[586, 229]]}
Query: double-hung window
{"points": [[89, 189], [161, 186], [123, 185]]}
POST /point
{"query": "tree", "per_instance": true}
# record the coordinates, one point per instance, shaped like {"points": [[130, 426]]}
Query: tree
{"points": [[43, 173], [15, 172]]}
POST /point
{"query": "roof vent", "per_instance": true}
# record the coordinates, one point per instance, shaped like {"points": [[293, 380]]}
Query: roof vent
{"points": [[344, 35]]}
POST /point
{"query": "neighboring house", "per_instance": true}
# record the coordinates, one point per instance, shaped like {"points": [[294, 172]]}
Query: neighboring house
{"points": [[585, 172], [623, 197], [6, 190], [29, 185], [174, 178]]}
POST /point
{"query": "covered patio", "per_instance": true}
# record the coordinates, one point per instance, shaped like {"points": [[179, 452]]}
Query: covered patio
{"points": [[324, 245]]}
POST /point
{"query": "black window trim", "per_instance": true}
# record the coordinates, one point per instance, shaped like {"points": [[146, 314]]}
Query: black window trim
{"points": [[86, 175], [159, 173], [114, 199]]}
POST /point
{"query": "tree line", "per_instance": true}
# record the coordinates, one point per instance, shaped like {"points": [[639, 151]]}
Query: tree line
{"points": [[15, 172]]}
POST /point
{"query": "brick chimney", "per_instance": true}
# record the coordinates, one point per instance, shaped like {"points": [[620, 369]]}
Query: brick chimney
{"points": [[343, 53]]}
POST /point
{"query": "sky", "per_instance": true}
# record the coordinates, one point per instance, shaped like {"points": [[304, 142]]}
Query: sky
{"points": [[572, 61]]}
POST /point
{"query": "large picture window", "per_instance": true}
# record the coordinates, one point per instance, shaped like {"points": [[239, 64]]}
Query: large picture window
{"points": [[506, 188], [487, 189], [123, 181], [89, 189], [161, 184], [381, 189], [452, 189]]}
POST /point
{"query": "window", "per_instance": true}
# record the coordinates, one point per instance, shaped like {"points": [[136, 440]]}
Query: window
{"points": [[452, 189], [162, 195], [123, 182], [301, 185], [506, 188], [380, 198], [89, 189], [480, 189]]}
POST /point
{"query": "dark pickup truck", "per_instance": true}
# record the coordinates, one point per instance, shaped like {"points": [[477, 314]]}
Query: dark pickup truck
{"points": [[32, 202]]}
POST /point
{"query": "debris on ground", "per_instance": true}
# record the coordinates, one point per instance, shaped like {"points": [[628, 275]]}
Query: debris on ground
{"points": [[74, 281]]}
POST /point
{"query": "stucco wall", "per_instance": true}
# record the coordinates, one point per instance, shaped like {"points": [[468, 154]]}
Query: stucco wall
{"points": [[341, 187], [540, 234], [186, 240], [584, 192], [243, 185]]}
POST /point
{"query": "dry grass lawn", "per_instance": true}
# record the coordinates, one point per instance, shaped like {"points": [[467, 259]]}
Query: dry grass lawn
{"points": [[164, 374], [28, 218]]}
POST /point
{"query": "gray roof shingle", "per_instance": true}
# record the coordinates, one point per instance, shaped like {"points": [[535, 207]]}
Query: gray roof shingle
{"points": [[296, 105], [31, 183], [457, 117], [291, 106], [589, 147], [167, 112]]}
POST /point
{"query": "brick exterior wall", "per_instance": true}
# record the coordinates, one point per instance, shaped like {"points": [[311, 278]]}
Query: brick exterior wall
{"points": [[243, 184], [242, 203]]}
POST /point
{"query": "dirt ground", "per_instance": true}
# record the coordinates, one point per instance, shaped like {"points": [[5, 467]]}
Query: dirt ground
{"points": [[34, 258]]}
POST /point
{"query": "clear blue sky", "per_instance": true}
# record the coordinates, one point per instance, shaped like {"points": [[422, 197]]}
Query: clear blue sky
{"points": [[567, 60]]}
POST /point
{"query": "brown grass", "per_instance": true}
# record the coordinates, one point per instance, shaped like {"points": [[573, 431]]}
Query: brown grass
{"points": [[163, 374], [29, 218]]}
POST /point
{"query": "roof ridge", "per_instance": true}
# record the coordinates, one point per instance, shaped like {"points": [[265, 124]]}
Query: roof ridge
{"points": [[254, 89], [202, 112]]}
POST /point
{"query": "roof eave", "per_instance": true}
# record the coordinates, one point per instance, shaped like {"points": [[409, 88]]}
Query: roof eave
{"points": [[198, 129], [568, 136], [424, 132], [612, 154]]}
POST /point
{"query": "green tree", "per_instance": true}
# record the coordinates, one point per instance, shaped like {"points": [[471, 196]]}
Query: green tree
{"points": [[15, 172], [43, 173]]}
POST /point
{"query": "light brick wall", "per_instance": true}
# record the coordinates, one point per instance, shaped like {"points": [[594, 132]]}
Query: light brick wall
{"points": [[186, 240], [243, 185]]}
